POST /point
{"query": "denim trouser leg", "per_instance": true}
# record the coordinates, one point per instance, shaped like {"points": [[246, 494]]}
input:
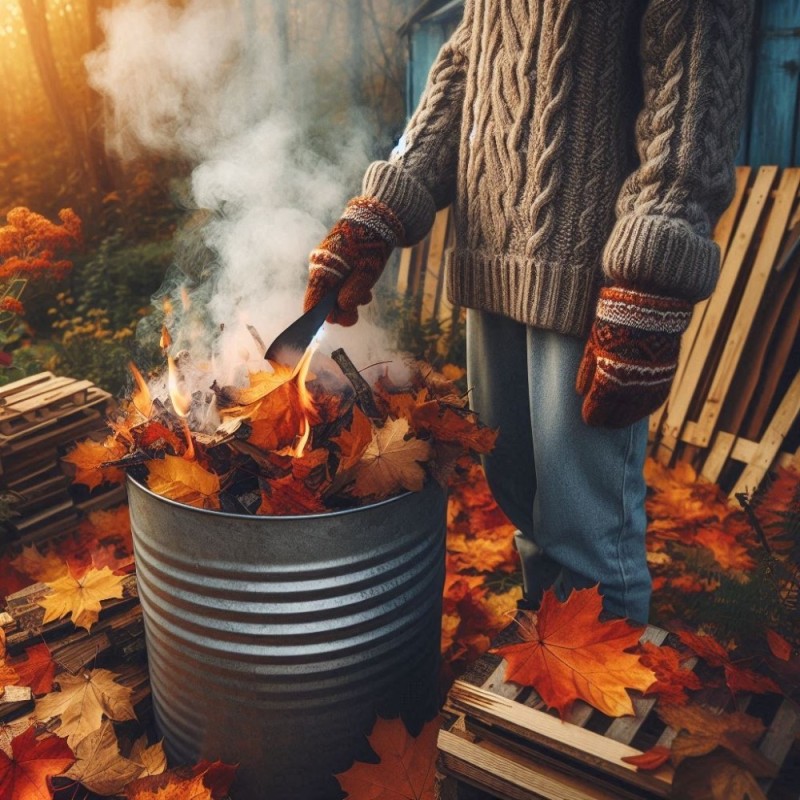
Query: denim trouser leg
{"points": [[575, 491]]}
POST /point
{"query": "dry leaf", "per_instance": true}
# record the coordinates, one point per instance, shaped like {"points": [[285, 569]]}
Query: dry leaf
{"points": [[42, 568], [406, 768], [82, 598], [100, 767], [282, 496], [778, 646], [82, 703], [152, 759], [175, 788], [701, 731], [183, 481], [24, 775], [217, 776], [451, 424], [650, 760], [36, 669], [88, 458], [391, 462], [354, 440], [568, 654], [672, 679], [233, 401], [10, 730], [714, 777]]}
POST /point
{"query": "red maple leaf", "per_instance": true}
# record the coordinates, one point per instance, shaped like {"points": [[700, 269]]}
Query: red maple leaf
{"points": [[37, 669], [672, 679], [24, 776]]}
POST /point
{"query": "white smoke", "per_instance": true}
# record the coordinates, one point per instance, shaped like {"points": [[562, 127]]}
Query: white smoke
{"points": [[204, 83]]}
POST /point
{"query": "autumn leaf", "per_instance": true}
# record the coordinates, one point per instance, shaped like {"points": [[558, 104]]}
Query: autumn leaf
{"points": [[83, 702], [38, 566], [286, 496], [738, 678], [482, 553], [650, 760], [391, 462], [175, 788], [778, 646], [701, 731], [405, 770], [354, 440], [82, 598], [183, 481], [24, 775], [568, 654], [36, 669], [714, 777], [241, 402], [451, 424], [88, 458], [217, 776], [100, 767], [672, 679], [152, 759]]}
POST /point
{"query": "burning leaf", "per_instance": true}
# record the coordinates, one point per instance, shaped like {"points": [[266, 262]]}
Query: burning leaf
{"points": [[671, 679], [184, 481], [353, 441], [738, 678], [714, 777], [152, 759], [175, 788], [39, 567], [83, 701], [650, 760], [701, 731], [405, 770], [235, 401], [88, 458], [37, 669], [100, 767], [24, 775], [568, 654], [391, 462], [82, 598]]}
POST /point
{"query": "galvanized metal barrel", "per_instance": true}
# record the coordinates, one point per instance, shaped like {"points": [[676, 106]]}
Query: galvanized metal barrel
{"points": [[273, 641]]}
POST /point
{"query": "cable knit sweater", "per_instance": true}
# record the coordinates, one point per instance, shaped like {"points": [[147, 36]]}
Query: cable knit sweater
{"points": [[575, 138]]}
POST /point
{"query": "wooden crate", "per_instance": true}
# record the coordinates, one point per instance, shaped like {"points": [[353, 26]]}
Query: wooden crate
{"points": [[736, 397], [500, 739]]}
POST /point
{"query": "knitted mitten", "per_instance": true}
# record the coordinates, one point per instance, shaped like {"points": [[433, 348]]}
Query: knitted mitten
{"points": [[353, 255], [631, 356]]}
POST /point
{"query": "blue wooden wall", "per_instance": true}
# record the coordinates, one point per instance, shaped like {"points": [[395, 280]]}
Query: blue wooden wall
{"points": [[771, 133]]}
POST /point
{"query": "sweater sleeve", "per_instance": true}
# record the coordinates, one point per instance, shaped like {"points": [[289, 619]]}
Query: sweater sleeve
{"points": [[687, 134], [420, 175]]}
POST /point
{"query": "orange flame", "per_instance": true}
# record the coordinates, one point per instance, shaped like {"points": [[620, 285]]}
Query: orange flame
{"points": [[185, 299], [181, 403], [306, 402], [166, 339], [142, 399]]}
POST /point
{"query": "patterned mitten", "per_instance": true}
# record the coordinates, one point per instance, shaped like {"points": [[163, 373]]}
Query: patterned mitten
{"points": [[631, 356], [352, 256]]}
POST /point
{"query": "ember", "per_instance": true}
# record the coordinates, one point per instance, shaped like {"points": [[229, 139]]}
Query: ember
{"points": [[292, 441]]}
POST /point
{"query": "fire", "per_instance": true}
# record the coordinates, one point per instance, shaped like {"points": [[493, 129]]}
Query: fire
{"points": [[142, 399], [306, 403], [166, 340], [181, 403]]}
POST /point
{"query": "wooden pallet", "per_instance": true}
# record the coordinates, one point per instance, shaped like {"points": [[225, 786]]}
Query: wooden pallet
{"points": [[734, 402], [500, 739]]}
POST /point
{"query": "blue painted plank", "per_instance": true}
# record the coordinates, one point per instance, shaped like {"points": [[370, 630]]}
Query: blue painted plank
{"points": [[773, 113], [426, 41]]}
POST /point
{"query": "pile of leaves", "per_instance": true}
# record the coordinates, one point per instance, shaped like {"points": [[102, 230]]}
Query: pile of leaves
{"points": [[364, 444]]}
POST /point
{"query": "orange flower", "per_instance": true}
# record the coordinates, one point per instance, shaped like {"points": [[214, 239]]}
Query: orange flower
{"points": [[12, 305]]}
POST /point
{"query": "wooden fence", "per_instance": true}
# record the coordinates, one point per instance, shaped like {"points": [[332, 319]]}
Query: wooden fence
{"points": [[736, 399]]}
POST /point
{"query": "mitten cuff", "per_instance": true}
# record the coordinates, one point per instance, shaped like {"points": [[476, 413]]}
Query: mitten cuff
{"points": [[663, 253], [410, 201], [645, 312]]}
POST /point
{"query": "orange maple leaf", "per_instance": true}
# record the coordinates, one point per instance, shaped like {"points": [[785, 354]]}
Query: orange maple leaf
{"points": [[175, 788], [354, 440], [88, 458], [81, 597], [288, 496], [405, 770], [184, 481], [36, 669], [672, 679], [391, 462], [738, 678], [651, 759], [452, 424], [24, 775], [41, 567], [567, 654]]}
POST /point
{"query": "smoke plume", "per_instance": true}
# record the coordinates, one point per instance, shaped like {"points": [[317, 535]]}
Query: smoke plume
{"points": [[204, 84]]}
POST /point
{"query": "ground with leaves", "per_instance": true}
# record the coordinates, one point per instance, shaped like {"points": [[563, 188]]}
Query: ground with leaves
{"points": [[701, 549]]}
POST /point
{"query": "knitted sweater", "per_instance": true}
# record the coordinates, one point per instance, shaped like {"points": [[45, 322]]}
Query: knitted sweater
{"points": [[575, 138]]}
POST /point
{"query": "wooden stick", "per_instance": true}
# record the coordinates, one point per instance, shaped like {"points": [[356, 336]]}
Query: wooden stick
{"points": [[364, 397]]}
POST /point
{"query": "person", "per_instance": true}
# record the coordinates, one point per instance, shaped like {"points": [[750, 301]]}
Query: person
{"points": [[587, 149]]}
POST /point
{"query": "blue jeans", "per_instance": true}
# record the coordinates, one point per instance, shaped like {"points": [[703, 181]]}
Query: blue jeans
{"points": [[575, 492]]}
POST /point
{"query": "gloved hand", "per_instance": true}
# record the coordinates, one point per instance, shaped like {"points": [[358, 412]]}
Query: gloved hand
{"points": [[631, 356], [353, 254]]}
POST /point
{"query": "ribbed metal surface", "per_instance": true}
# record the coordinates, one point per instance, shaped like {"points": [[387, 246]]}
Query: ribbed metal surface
{"points": [[272, 640]]}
